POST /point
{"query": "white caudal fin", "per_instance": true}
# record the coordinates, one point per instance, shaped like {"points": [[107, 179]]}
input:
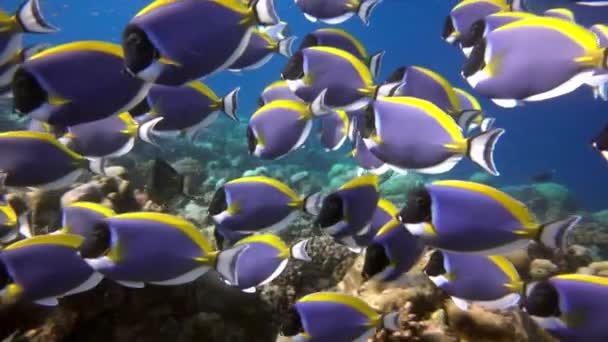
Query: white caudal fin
{"points": [[486, 124], [299, 252], [313, 203], [465, 119], [51, 301], [375, 63], [265, 12], [98, 165], [462, 304], [366, 8], [146, 131], [25, 227], [276, 32], [230, 104], [249, 290], [318, 106], [390, 321], [481, 149], [555, 234], [31, 20], [286, 46]]}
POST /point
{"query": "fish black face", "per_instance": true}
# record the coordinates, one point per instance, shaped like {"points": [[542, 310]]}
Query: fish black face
{"points": [[218, 202], [417, 208], [139, 51], [308, 41], [369, 122], [448, 28], [435, 267], [291, 324], [261, 102], [475, 34], [295, 67], [396, 76], [97, 243], [5, 277], [252, 141], [164, 182], [28, 95], [376, 260], [543, 300], [476, 61], [331, 211]]}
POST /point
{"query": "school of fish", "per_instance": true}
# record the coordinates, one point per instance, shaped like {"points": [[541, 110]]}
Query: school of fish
{"points": [[91, 101]]}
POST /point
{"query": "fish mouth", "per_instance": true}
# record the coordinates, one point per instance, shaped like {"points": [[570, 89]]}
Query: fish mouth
{"points": [[294, 69], [376, 261], [28, 94], [474, 35], [97, 243], [331, 211], [140, 53]]}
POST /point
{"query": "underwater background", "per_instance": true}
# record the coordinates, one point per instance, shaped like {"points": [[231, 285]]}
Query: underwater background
{"points": [[543, 136], [549, 137]]}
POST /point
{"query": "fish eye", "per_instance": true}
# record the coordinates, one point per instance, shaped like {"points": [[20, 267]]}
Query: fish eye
{"points": [[435, 265], [218, 202], [28, 95], [139, 51], [331, 211], [291, 324], [261, 102], [294, 68], [543, 300], [97, 243], [252, 141], [376, 260]]}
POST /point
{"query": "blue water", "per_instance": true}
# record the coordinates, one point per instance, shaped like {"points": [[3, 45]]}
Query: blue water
{"points": [[541, 136]]}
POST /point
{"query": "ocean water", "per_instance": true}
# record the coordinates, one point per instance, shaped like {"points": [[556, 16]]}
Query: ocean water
{"points": [[551, 135]]}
